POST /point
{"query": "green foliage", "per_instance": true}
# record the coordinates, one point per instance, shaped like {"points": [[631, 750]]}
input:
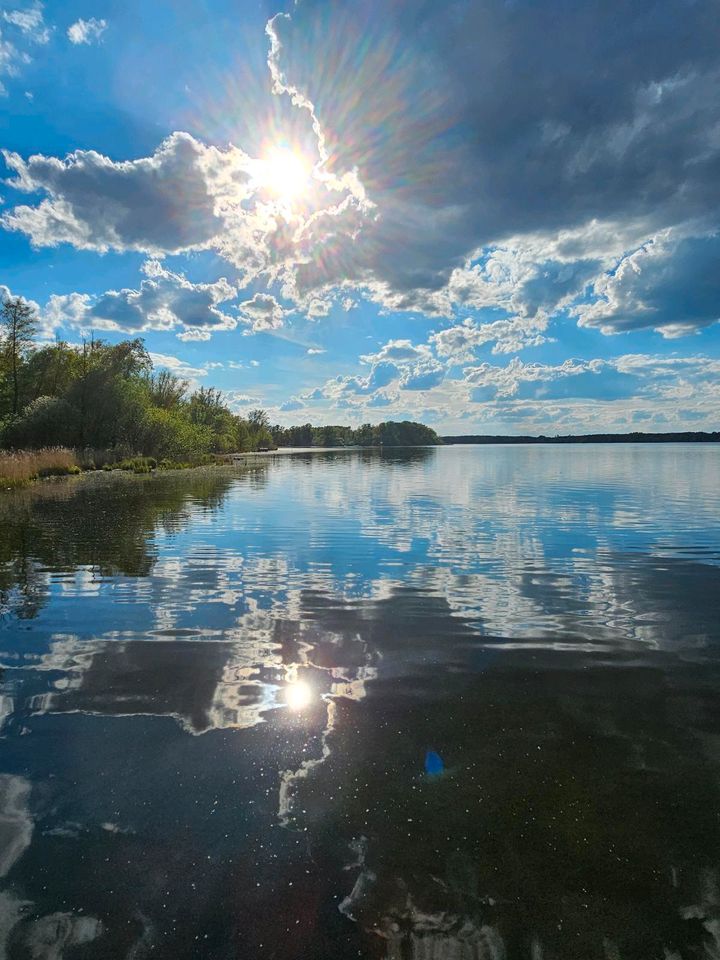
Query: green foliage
{"points": [[105, 402], [391, 434], [44, 421], [18, 323]]}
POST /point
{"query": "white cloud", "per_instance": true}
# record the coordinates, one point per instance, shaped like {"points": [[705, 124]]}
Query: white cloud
{"points": [[398, 352], [26, 27], [177, 366], [194, 334], [30, 22], [163, 301], [46, 324], [670, 284], [505, 380], [86, 31], [175, 200], [474, 228], [262, 313], [459, 342]]}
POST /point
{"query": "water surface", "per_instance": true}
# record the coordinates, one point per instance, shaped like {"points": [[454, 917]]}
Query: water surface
{"points": [[433, 703]]}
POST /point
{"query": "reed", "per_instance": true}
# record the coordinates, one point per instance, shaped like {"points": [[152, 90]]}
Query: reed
{"points": [[20, 467]]}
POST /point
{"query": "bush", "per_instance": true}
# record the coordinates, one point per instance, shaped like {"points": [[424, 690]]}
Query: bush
{"points": [[169, 435], [136, 464], [44, 421]]}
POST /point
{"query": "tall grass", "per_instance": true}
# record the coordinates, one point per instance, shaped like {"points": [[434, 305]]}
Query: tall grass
{"points": [[19, 468]]}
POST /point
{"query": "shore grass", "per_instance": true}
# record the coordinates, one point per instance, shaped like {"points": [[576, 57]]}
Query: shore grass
{"points": [[20, 467]]}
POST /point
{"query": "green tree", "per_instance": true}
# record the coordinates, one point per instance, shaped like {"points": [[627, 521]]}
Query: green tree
{"points": [[19, 323], [259, 420], [166, 389]]}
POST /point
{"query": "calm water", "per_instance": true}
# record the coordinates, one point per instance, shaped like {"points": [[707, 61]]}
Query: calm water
{"points": [[433, 704]]}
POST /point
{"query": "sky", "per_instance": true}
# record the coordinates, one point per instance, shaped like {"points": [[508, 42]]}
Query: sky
{"points": [[494, 217]]}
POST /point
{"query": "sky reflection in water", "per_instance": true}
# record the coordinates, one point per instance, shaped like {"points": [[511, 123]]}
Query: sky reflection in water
{"points": [[430, 704]]}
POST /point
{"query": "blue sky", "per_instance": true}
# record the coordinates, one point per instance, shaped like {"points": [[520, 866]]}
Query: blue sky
{"points": [[496, 217]]}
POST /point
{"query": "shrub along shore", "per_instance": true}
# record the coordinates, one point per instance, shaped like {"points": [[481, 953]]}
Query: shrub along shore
{"points": [[65, 408]]}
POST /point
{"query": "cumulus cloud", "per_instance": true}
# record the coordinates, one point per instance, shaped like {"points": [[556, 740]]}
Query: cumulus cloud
{"points": [[397, 351], [174, 200], [459, 343], [423, 376], [412, 365], [86, 31], [177, 366], [241, 402], [186, 196], [7, 294], [262, 313], [632, 377], [163, 301], [505, 381], [583, 185], [46, 323], [294, 403], [669, 285], [381, 399], [398, 362]]}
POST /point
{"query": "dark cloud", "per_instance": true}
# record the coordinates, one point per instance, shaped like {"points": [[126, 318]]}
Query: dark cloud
{"points": [[469, 123]]}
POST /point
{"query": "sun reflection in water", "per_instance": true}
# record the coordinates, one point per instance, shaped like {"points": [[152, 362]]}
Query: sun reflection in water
{"points": [[298, 695]]}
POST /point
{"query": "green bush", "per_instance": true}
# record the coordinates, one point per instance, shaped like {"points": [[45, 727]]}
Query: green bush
{"points": [[44, 422]]}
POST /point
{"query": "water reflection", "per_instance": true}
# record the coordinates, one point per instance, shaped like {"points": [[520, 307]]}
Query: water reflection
{"points": [[435, 704]]}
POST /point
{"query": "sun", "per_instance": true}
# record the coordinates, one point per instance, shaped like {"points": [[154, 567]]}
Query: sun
{"points": [[286, 173]]}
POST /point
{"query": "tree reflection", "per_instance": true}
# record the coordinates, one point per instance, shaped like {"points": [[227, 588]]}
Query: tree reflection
{"points": [[104, 523]]}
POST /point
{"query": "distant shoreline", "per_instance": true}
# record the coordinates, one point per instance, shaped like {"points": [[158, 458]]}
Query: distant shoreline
{"points": [[686, 437]]}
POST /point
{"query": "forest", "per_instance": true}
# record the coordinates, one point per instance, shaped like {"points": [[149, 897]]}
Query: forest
{"points": [[108, 399]]}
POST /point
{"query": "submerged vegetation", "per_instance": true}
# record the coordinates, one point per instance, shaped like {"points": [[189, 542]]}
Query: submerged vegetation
{"points": [[66, 408]]}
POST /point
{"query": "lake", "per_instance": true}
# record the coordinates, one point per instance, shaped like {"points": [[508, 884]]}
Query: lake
{"points": [[438, 704]]}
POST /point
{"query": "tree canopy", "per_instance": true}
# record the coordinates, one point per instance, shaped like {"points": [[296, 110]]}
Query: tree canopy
{"points": [[108, 396]]}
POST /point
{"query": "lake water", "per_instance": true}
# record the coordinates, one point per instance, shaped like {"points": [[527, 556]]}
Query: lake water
{"points": [[437, 704]]}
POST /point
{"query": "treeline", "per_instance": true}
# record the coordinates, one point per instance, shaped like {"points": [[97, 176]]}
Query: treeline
{"points": [[108, 397], [690, 436], [406, 433]]}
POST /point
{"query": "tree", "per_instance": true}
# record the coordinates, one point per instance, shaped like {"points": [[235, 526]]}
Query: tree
{"points": [[19, 321], [259, 420], [166, 389]]}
